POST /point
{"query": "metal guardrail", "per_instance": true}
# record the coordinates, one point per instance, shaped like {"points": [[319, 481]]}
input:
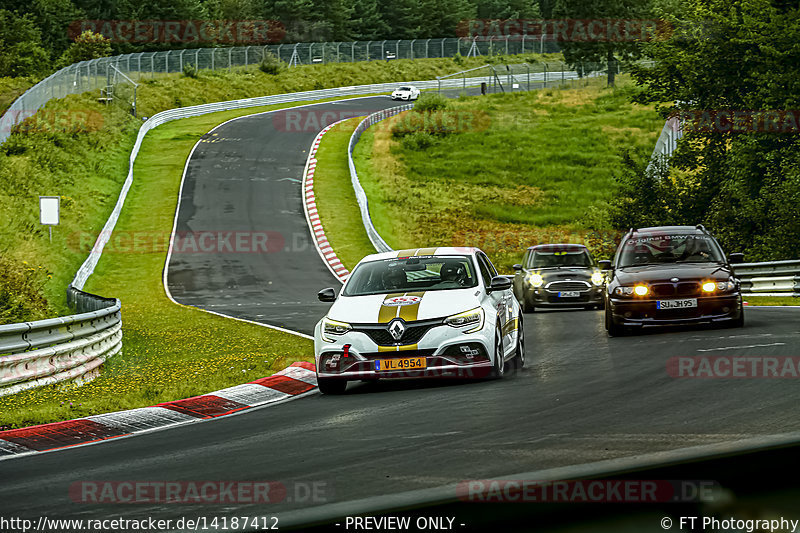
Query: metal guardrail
{"points": [[772, 278], [361, 196], [33, 354]]}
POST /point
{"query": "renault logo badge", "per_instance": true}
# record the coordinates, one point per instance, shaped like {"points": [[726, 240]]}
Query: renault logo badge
{"points": [[397, 328]]}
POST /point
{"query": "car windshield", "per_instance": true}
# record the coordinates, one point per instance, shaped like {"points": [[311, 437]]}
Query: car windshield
{"points": [[404, 89], [559, 258], [665, 248], [410, 274]]}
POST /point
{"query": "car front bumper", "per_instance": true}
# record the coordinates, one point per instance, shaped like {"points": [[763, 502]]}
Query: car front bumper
{"points": [[448, 352], [541, 297], [638, 312]]}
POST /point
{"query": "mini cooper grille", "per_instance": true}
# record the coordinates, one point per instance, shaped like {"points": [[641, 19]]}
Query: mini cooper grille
{"points": [[568, 286], [380, 333]]}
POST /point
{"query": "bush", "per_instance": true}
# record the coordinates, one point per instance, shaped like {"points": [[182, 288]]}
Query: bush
{"points": [[189, 70], [21, 298], [428, 102], [418, 141], [270, 64]]}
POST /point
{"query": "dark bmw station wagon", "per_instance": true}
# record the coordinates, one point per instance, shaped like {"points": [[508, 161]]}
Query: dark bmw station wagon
{"points": [[671, 275]]}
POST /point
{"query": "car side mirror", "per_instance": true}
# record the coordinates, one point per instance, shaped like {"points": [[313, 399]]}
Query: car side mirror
{"points": [[500, 283], [517, 267], [327, 295], [604, 264], [736, 258]]}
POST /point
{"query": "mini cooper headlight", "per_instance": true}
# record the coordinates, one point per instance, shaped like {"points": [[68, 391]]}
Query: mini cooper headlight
{"points": [[597, 278], [535, 280], [467, 318], [332, 327]]}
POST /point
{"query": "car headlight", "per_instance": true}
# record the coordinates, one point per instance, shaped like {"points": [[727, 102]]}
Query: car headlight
{"points": [[332, 327], [725, 285], [467, 318], [597, 278], [535, 280], [638, 290], [709, 286]]}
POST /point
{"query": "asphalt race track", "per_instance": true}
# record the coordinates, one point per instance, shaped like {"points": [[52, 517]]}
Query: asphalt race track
{"points": [[582, 397]]}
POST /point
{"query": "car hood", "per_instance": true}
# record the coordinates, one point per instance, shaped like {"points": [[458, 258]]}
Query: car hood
{"points": [[381, 308], [665, 272]]}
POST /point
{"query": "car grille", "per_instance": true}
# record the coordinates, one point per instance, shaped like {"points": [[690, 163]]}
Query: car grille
{"points": [[379, 333], [676, 289], [568, 286]]}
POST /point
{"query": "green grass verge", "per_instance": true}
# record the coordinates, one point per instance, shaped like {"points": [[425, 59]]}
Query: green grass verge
{"points": [[529, 167], [78, 149], [169, 351], [336, 201], [772, 300]]}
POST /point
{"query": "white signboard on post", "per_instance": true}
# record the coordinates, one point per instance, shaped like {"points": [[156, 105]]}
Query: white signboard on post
{"points": [[49, 212]]}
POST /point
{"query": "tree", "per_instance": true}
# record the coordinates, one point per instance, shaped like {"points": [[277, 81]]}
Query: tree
{"points": [[587, 53], [21, 50], [367, 23], [52, 17], [87, 45], [743, 182]]}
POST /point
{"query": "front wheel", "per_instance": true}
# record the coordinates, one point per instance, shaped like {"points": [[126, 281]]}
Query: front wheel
{"points": [[499, 368], [519, 355], [527, 307], [331, 385], [613, 329]]}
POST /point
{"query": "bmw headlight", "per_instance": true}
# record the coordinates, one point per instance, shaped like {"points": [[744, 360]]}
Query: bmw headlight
{"points": [[467, 318], [638, 290], [331, 328], [597, 278], [535, 280]]}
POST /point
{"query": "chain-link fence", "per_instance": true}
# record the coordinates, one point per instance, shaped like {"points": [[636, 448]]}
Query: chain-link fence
{"points": [[107, 73]]}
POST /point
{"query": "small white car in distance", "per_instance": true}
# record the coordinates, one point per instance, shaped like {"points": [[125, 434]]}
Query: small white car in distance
{"points": [[429, 312], [406, 92]]}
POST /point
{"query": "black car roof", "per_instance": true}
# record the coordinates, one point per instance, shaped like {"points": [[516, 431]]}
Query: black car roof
{"points": [[556, 246]]}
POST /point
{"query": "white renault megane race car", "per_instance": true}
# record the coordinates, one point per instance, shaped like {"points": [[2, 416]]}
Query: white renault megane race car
{"points": [[418, 313]]}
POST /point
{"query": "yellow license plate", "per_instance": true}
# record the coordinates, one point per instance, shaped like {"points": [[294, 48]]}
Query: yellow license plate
{"points": [[408, 363]]}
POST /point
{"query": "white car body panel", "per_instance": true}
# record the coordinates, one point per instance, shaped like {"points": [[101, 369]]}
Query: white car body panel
{"points": [[408, 92], [445, 348]]}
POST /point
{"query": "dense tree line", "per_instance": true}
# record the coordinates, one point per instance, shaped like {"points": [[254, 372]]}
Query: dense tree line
{"points": [[34, 34], [729, 71]]}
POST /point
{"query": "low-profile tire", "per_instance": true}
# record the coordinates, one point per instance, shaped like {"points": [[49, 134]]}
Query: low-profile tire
{"points": [[499, 368], [613, 329], [519, 354], [736, 322], [601, 305], [331, 385]]}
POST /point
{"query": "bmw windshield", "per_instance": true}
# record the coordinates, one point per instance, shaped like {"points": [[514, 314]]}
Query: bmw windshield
{"points": [[665, 248], [410, 274]]}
